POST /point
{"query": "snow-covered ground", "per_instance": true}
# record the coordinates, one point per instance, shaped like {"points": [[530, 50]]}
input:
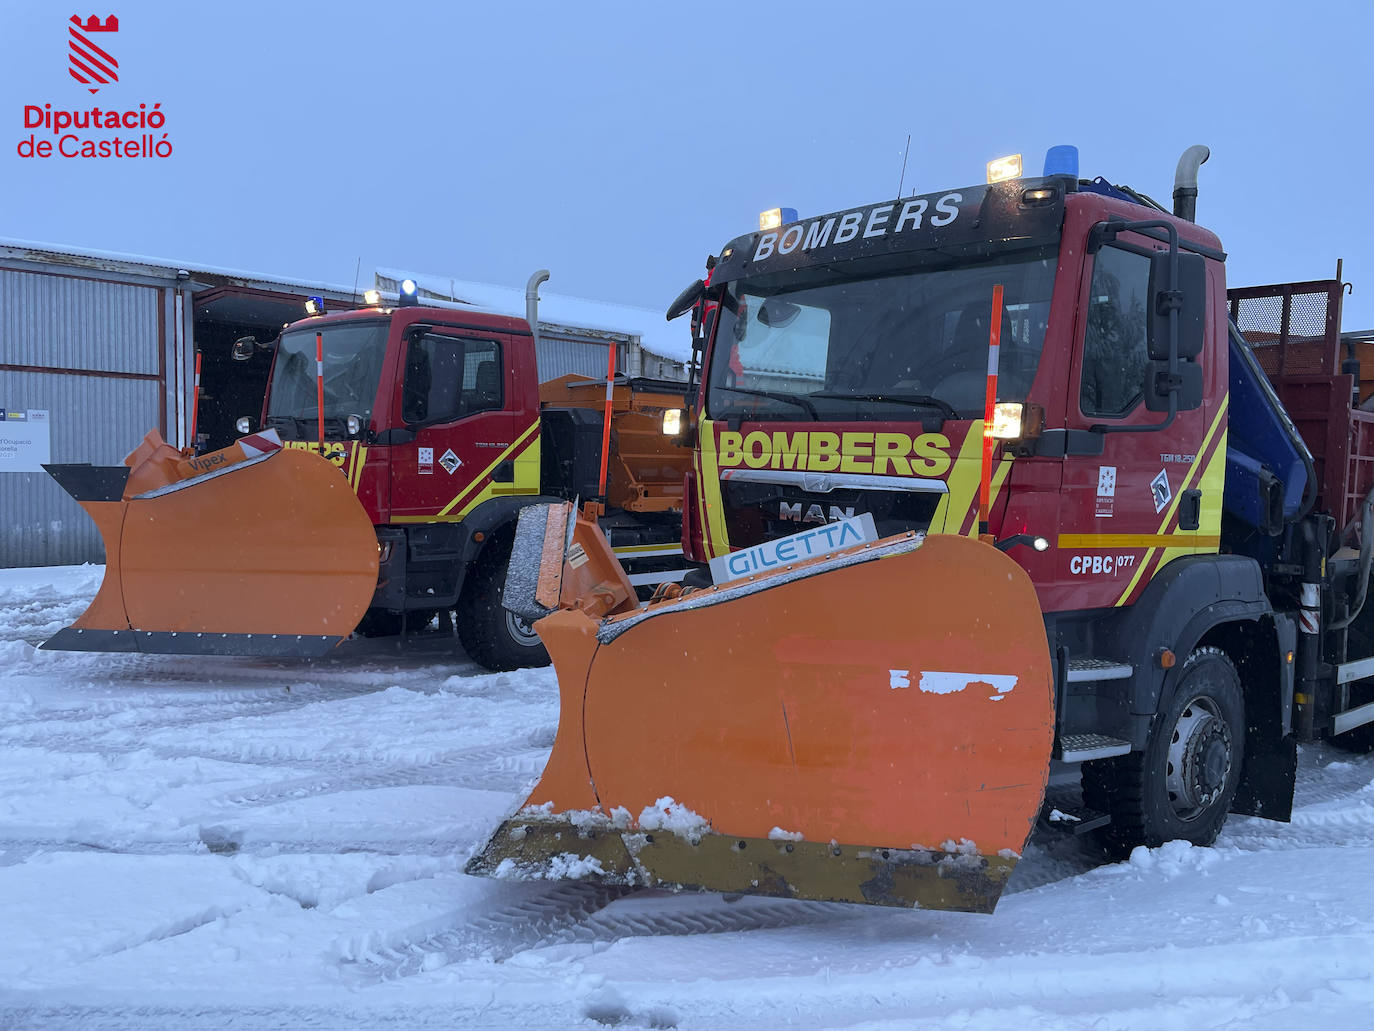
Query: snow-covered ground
{"points": [[213, 843]]}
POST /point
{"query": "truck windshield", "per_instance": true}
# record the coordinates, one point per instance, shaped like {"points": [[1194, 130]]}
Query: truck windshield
{"points": [[830, 344], [353, 355]]}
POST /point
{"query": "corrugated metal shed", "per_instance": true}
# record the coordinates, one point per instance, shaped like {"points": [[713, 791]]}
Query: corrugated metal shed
{"points": [[95, 345], [104, 343]]}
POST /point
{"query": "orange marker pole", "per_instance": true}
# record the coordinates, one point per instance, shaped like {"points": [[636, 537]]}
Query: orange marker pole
{"points": [[195, 404], [606, 427], [319, 382], [989, 409]]}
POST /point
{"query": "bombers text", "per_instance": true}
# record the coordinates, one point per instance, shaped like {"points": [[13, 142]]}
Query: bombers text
{"points": [[820, 451], [866, 223]]}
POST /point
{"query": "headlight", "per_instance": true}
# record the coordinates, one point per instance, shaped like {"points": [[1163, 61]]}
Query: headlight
{"points": [[244, 424], [1006, 420], [672, 422], [355, 425]]}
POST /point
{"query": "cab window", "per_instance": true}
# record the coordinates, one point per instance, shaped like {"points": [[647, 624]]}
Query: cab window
{"points": [[1114, 348], [449, 378]]}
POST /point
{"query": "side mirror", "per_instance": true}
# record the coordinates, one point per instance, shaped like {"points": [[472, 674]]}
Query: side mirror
{"points": [[776, 313], [1188, 297], [686, 300], [243, 348], [1186, 384]]}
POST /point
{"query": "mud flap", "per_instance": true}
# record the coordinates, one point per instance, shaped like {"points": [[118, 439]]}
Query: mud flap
{"points": [[874, 726], [269, 556]]}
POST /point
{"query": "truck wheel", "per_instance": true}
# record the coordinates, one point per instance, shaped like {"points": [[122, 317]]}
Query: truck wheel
{"points": [[495, 638], [1182, 784]]}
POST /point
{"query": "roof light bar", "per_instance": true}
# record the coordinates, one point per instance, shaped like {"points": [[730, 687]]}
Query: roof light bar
{"points": [[1002, 169]]}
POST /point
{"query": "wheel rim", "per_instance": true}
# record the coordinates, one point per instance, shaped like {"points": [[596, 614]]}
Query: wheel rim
{"points": [[1199, 759], [521, 632]]}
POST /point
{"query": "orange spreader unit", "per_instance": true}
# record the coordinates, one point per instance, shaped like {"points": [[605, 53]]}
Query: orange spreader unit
{"points": [[228, 553], [870, 726]]}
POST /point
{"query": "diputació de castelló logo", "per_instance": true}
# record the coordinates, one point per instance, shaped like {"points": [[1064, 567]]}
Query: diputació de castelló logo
{"points": [[92, 64], [95, 132]]}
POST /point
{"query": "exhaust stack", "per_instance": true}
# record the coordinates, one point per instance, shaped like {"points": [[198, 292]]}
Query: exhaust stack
{"points": [[1185, 181], [532, 300]]}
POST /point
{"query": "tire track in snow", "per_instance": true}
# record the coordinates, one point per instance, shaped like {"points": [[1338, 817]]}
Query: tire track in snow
{"points": [[498, 934], [489, 768], [581, 912], [211, 842], [87, 731]]}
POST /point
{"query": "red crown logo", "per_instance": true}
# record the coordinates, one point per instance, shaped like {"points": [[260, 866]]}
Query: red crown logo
{"points": [[89, 64]]}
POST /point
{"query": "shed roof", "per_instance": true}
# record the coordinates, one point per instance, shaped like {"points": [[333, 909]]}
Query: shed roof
{"points": [[656, 335]]}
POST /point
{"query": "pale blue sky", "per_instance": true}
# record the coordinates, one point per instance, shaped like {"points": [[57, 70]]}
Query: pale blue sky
{"points": [[618, 144]]}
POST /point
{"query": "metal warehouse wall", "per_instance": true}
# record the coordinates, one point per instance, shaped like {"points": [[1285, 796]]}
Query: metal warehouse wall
{"points": [[95, 353], [560, 355]]}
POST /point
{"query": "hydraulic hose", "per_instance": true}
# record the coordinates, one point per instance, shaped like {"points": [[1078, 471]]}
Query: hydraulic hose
{"points": [[1366, 557]]}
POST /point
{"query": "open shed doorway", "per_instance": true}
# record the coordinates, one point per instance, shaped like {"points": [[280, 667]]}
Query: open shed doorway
{"points": [[230, 389]]}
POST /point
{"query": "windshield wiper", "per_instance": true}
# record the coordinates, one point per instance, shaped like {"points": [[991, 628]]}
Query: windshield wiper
{"points": [[287, 422], [777, 395], [925, 400]]}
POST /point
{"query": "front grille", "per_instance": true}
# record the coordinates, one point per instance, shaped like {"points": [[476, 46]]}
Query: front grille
{"points": [[754, 512]]}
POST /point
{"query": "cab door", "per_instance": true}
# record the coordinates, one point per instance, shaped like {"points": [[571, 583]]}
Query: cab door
{"points": [[454, 390], [1151, 495]]}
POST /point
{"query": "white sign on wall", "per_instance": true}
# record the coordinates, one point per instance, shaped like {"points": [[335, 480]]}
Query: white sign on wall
{"points": [[25, 441]]}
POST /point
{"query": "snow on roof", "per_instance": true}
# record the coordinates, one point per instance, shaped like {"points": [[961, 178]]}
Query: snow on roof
{"points": [[658, 336], [141, 264]]}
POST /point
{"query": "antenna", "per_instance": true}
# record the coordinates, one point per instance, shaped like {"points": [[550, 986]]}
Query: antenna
{"points": [[902, 180], [357, 271]]}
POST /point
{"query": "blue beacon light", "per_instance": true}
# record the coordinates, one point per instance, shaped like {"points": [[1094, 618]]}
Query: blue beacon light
{"points": [[1062, 160]]}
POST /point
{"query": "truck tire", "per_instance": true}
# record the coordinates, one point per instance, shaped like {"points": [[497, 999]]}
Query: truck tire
{"points": [[1181, 786], [493, 637]]}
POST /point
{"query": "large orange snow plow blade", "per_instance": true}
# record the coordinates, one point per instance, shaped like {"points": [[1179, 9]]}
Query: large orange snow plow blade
{"points": [[244, 551], [874, 725]]}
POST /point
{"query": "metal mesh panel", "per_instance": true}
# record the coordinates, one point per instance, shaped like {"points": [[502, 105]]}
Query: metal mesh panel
{"points": [[1307, 316], [1260, 320], [1305, 351]]}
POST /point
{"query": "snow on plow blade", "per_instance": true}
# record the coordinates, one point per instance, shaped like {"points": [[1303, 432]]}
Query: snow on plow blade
{"points": [[245, 551], [871, 726]]}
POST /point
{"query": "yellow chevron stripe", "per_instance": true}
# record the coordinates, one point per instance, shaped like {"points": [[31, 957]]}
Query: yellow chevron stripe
{"points": [[1220, 454], [962, 484], [533, 428], [712, 503], [1138, 540], [359, 460], [650, 549]]}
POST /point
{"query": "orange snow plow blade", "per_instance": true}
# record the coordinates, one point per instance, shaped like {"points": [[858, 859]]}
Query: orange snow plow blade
{"points": [[245, 551], [873, 725]]}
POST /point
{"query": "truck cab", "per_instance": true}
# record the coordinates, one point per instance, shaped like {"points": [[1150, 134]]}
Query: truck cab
{"points": [[432, 416], [847, 367]]}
